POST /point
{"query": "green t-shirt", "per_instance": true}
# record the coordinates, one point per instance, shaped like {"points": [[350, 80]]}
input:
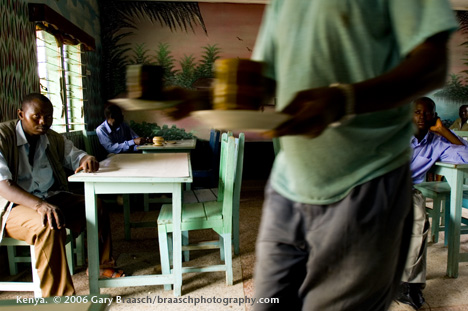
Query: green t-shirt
{"points": [[313, 43]]}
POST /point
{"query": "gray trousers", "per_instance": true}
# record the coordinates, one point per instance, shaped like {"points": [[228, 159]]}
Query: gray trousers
{"points": [[349, 255], [415, 269]]}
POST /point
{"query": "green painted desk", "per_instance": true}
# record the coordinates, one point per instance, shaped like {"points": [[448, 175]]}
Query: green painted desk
{"points": [[179, 146], [136, 173], [455, 175]]}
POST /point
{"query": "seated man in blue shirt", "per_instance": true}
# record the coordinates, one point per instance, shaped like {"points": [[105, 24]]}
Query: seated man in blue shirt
{"points": [[115, 135], [432, 142]]}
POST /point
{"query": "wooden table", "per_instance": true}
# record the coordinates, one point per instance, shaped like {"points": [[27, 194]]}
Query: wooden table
{"points": [[455, 175], [177, 146], [136, 173]]}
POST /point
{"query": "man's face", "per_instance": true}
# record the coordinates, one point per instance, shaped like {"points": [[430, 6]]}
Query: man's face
{"points": [[464, 112], [115, 121], [36, 117], [424, 115]]}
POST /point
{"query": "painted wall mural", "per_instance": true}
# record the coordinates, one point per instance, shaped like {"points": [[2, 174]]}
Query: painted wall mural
{"points": [[455, 93], [18, 64], [186, 44], [121, 21], [185, 37]]}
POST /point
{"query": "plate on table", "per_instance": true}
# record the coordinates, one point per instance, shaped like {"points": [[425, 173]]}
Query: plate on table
{"points": [[247, 120], [133, 104]]}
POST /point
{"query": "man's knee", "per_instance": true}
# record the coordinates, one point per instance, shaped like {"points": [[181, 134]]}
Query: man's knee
{"points": [[49, 235]]}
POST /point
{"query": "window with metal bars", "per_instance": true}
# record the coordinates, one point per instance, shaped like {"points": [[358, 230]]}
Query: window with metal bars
{"points": [[61, 78]]}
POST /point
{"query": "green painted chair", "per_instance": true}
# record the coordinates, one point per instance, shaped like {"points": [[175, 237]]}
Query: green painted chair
{"points": [[276, 145], [14, 259], [215, 215], [211, 194], [74, 252], [439, 192], [93, 146]]}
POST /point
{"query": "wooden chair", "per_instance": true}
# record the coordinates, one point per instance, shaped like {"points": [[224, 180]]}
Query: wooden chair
{"points": [[93, 146], [73, 248], [215, 215], [33, 286], [439, 192], [77, 138], [211, 194], [276, 145]]}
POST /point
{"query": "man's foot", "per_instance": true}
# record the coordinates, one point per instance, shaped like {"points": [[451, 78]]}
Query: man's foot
{"points": [[411, 294], [110, 273]]}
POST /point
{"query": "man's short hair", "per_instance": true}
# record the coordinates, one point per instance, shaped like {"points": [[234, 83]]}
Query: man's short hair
{"points": [[426, 100], [34, 97], [112, 111]]}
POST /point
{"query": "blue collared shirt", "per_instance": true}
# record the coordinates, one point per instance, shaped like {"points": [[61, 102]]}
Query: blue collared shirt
{"points": [[118, 141], [431, 149], [38, 179]]}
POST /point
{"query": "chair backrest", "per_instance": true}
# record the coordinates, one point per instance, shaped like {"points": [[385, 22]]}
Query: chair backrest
{"points": [[239, 154], [93, 146], [239, 168], [76, 137], [231, 166], [276, 145], [227, 175]]}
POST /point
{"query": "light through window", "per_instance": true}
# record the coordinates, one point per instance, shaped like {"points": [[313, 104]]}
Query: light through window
{"points": [[60, 74]]}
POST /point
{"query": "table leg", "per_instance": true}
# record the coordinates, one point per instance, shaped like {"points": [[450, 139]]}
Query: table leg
{"points": [[93, 240], [455, 181], [177, 238], [126, 210]]}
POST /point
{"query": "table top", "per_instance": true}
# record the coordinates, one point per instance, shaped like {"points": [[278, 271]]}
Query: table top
{"points": [[154, 167], [452, 165], [171, 144]]}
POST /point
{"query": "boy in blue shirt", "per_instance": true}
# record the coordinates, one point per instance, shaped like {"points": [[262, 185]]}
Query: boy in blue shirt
{"points": [[115, 135]]}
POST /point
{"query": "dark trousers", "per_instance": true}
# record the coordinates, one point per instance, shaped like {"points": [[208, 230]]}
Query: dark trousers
{"points": [[348, 255]]}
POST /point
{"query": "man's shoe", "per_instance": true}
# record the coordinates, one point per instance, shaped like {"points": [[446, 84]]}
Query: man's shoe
{"points": [[404, 296], [416, 294]]}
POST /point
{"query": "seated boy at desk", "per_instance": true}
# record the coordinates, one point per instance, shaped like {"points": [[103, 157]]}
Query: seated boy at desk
{"points": [[461, 123], [115, 135], [432, 142], [32, 177]]}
